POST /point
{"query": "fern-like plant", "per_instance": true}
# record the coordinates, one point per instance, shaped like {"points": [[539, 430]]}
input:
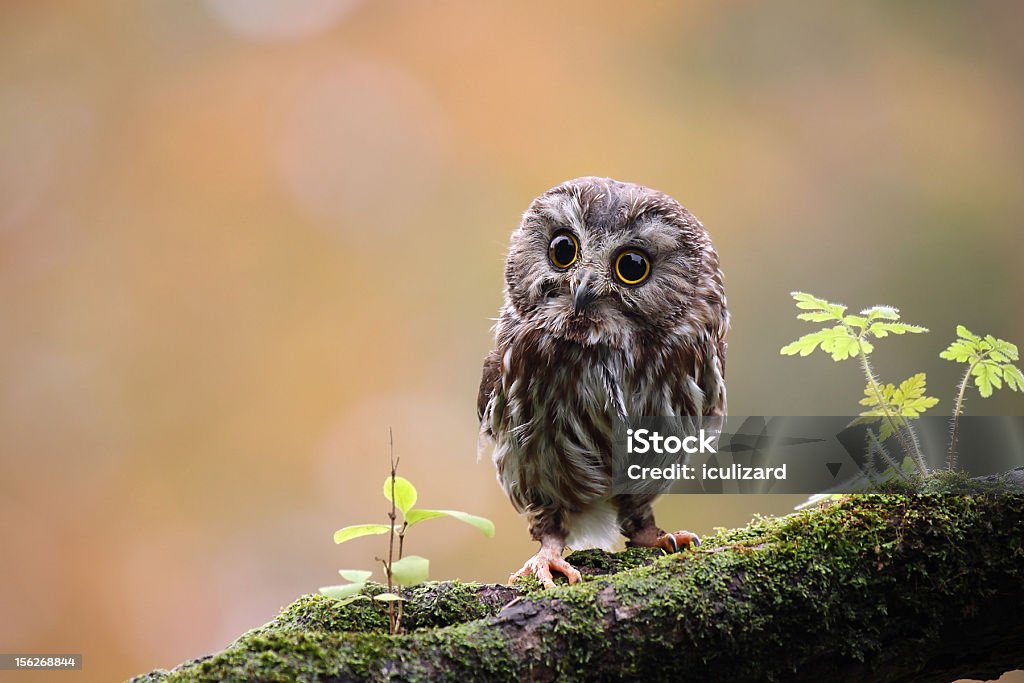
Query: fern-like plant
{"points": [[851, 337], [989, 361]]}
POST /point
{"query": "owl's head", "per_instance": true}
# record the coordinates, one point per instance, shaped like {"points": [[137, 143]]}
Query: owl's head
{"points": [[597, 261]]}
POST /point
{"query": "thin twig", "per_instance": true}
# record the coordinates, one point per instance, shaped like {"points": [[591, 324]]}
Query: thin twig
{"points": [[393, 619]]}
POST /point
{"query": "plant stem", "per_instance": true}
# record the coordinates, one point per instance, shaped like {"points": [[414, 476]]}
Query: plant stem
{"points": [[873, 383], [393, 619], [876, 446], [922, 465], [957, 412]]}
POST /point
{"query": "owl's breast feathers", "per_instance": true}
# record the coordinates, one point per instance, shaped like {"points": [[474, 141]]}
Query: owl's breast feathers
{"points": [[549, 406]]}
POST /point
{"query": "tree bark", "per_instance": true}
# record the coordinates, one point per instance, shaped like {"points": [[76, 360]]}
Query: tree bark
{"points": [[882, 587]]}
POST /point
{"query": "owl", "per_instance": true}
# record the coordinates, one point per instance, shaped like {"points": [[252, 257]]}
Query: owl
{"points": [[614, 307]]}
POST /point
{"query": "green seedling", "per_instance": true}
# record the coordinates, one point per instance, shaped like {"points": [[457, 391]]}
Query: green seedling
{"points": [[990, 362], [399, 569]]}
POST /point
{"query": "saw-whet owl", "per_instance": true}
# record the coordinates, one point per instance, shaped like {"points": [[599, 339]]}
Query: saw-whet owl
{"points": [[614, 307]]}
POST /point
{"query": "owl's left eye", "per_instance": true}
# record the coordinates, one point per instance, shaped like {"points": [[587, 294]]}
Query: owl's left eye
{"points": [[632, 267]]}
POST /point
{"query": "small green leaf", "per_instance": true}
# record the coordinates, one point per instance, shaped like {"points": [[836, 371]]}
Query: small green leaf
{"points": [[871, 399], [965, 333], [914, 407], [837, 341], [805, 345], [901, 403], [909, 399], [809, 302], [986, 377], [889, 427], [405, 493], [1014, 377], [990, 360], [854, 321], [882, 313], [419, 515], [387, 597], [959, 351], [343, 591], [483, 524], [355, 575], [842, 348], [841, 344], [1007, 349], [359, 530], [815, 316], [911, 386], [411, 569], [883, 329]]}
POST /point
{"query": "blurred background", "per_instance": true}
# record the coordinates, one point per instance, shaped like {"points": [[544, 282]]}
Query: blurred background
{"points": [[240, 239]]}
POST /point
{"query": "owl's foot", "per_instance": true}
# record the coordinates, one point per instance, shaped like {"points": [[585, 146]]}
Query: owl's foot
{"points": [[541, 566], [677, 542], [652, 537]]}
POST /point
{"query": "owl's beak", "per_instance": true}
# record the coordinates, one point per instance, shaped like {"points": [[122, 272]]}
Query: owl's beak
{"points": [[585, 292]]}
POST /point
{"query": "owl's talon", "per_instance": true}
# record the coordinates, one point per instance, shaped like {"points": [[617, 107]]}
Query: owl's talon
{"points": [[677, 542], [541, 565]]}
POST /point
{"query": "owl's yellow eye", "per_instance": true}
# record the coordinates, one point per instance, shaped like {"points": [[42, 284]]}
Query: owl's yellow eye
{"points": [[632, 267], [563, 250]]}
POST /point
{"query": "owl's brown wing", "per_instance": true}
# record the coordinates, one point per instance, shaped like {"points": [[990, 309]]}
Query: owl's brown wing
{"points": [[699, 385], [713, 375], [488, 381]]}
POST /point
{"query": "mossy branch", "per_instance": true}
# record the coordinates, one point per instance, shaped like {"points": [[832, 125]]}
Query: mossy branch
{"points": [[922, 586]]}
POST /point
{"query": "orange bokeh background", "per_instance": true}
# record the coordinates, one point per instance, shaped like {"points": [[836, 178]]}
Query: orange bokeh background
{"points": [[240, 239]]}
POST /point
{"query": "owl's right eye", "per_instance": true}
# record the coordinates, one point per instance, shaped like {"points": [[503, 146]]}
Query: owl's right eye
{"points": [[563, 250]]}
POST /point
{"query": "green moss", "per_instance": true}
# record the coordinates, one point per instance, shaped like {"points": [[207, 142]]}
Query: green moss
{"points": [[593, 563], [433, 604], [597, 562], [322, 614], [465, 648], [530, 584]]}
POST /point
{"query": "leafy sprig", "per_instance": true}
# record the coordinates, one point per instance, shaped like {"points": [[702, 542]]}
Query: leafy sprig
{"points": [[990, 362], [851, 338], [405, 570], [903, 402]]}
